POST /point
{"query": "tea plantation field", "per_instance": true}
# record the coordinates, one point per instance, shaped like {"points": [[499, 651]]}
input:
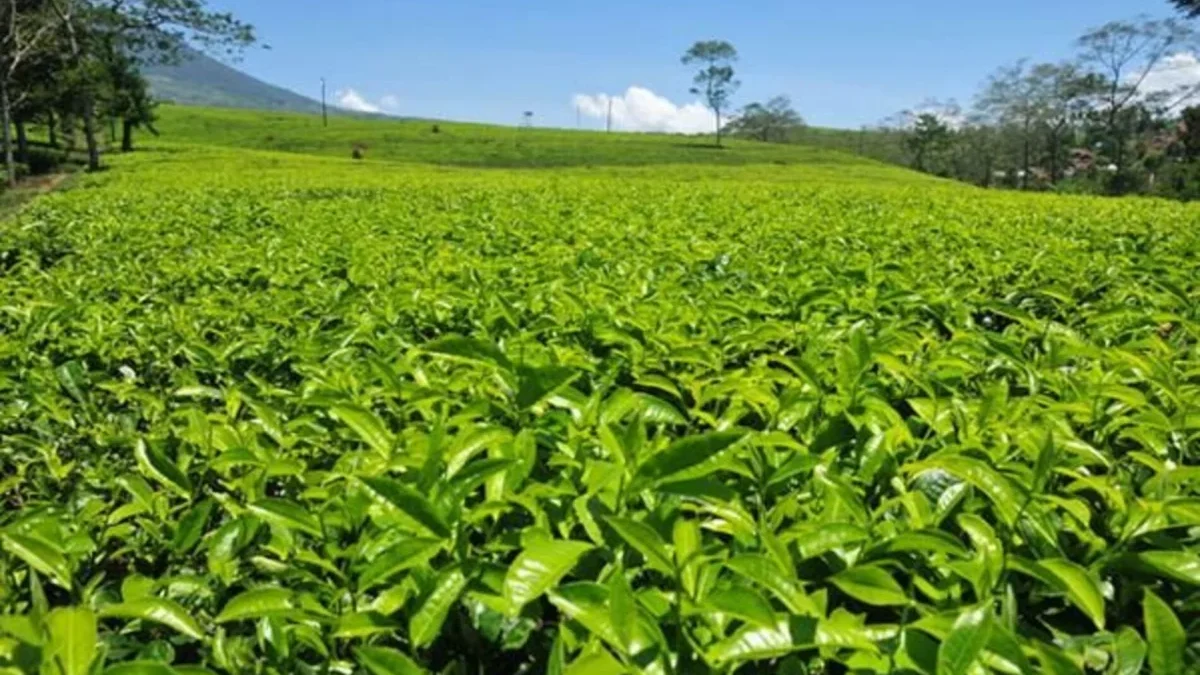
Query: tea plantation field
{"points": [[270, 413], [480, 145]]}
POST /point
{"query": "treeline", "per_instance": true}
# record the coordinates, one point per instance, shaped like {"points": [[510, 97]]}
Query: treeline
{"points": [[1113, 120], [72, 67], [1118, 118]]}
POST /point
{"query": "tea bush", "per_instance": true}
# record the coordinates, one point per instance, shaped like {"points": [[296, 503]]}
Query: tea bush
{"points": [[262, 414]]}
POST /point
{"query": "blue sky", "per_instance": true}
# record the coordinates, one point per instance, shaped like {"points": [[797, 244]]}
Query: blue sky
{"points": [[844, 64]]}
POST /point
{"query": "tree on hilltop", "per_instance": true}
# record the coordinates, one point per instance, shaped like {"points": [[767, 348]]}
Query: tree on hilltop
{"points": [[770, 121], [714, 81]]}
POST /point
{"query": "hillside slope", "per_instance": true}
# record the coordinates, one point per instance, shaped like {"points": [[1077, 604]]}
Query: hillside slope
{"points": [[460, 144], [202, 80]]}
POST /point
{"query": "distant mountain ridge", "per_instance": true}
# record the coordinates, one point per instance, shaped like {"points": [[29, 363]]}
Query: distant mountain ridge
{"points": [[202, 80]]}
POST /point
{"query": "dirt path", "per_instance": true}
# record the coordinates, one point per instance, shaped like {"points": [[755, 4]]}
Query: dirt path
{"points": [[40, 184], [11, 201]]}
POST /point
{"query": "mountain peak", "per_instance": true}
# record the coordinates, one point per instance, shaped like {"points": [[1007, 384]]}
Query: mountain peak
{"points": [[200, 79]]}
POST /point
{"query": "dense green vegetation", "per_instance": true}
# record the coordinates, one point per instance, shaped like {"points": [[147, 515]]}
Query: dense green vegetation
{"points": [[276, 413]]}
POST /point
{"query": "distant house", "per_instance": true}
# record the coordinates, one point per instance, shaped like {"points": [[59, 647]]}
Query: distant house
{"points": [[1082, 159]]}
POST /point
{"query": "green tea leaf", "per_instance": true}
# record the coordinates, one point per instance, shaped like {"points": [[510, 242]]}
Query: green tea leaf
{"points": [[158, 610], [599, 662], [966, 641], [402, 556], [367, 426], [426, 622], [191, 527], [828, 536], [363, 624], [763, 571], [141, 668], [1164, 635], [72, 640], [286, 514], [756, 643], [1129, 652], [539, 568], [689, 458], [40, 556], [469, 350], [155, 465], [1181, 566], [1081, 588], [537, 384], [385, 661], [646, 541], [872, 585], [744, 604], [623, 608], [410, 502], [587, 603], [257, 603]]}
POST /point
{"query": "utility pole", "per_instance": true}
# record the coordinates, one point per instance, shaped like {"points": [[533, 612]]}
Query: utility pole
{"points": [[578, 118], [608, 121], [324, 109]]}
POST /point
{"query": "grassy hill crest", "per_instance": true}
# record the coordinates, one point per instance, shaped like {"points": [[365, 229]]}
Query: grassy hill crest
{"points": [[491, 146]]}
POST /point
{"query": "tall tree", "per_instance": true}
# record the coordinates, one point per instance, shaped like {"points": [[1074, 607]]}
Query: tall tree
{"points": [[127, 98], [929, 136], [25, 27], [1189, 7], [1065, 95], [146, 30], [1125, 53], [976, 151], [1011, 98], [714, 80], [1190, 133], [767, 121], [1039, 103]]}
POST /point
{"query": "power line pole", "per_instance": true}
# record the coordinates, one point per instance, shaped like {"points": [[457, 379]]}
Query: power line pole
{"points": [[324, 109], [608, 121]]}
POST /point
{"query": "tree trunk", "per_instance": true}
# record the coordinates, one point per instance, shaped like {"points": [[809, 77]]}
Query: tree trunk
{"points": [[1054, 170], [718, 112], [89, 102], [1112, 128], [10, 165], [1025, 157], [112, 130], [22, 143], [127, 136], [1119, 151], [52, 128], [69, 126], [89, 133]]}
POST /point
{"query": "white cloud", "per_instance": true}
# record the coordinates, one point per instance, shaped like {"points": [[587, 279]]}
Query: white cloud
{"points": [[640, 109], [352, 100], [1174, 73]]}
